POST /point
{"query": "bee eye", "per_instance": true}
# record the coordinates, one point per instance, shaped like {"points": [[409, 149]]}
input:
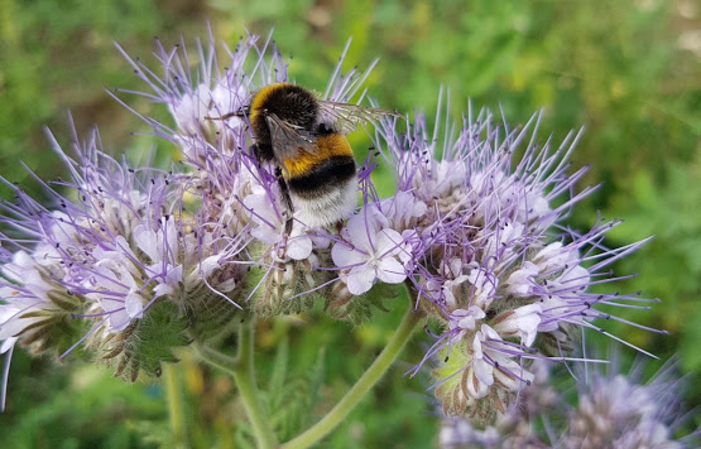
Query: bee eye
{"points": [[324, 129]]}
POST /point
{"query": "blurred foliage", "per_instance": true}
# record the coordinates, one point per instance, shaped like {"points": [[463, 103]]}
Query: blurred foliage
{"points": [[627, 70]]}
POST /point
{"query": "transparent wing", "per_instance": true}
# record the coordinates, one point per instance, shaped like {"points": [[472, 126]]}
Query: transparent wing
{"points": [[287, 138], [346, 117]]}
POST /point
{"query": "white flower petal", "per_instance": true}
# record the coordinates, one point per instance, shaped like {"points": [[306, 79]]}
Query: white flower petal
{"points": [[134, 305], [170, 237], [484, 372], [262, 210], [360, 232], [162, 289], [174, 275], [207, 266], [299, 248], [119, 319], [7, 344], [360, 279], [389, 270], [344, 256], [147, 241], [388, 242]]}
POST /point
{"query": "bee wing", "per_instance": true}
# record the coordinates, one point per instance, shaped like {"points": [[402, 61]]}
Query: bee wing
{"points": [[287, 138], [346, 117]]}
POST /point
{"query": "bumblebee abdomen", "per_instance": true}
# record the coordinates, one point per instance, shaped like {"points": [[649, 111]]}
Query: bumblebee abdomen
{"points": [[336, 203], [313, 174], [323, 182], [323, 177], [330, 146]]}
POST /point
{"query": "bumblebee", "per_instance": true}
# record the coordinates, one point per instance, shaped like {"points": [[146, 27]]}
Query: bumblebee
{"points": [[304, 137]]}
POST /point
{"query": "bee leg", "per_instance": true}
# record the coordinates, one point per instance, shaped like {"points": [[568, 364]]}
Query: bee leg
{"points": [[286, 199], [243, 112], [223, 117], [339, 228], [283, 254], [286, 234], [264, 153], [289, 209]]}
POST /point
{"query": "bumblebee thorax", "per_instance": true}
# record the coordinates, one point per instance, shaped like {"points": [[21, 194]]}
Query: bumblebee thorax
{"points": [[293, 104]]}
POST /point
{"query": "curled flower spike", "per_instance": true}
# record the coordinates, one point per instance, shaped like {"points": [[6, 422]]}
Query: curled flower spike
{"points": [[613, 410], [109, 264], [617, 410], [489, 256]]}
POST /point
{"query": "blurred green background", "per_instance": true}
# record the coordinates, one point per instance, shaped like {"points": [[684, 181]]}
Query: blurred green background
{"points": [[627, 70]]}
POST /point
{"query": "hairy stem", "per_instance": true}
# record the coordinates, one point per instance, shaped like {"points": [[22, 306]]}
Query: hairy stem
{"points": [[173, 388], [215, 358], [244, 375], [374, 373]]}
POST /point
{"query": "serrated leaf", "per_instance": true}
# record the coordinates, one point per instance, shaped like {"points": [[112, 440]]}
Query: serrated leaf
{"points": [[146, 343]]}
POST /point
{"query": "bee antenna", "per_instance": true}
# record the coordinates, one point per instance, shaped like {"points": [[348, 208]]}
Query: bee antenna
{"points": [[240, 113]]}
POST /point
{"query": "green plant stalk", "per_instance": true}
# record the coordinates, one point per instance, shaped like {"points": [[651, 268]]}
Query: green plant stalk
{"points": [[174, 390], [215, 358], [378, 368], [244, 376]]}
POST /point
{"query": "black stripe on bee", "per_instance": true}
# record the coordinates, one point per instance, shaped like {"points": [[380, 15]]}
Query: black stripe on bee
{"points": [[330, 172]]}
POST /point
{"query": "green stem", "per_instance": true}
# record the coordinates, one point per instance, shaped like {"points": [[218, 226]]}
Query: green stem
{"points": [[216, 359], [173, 389], [244, 375], [361, 387]]}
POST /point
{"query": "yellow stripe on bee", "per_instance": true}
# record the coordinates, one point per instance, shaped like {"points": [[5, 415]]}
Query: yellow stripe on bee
{"points": [[254, 109], [325, 147]]}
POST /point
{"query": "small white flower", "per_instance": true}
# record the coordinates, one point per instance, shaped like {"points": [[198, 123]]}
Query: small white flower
{"points": [[464, 319], [157, 244], [484, 287], [24, 270], [490, 363], [270, 225], [555, 257], [501, 243], [452, 289], [522, 322], [162, 248], [402, 209], [375, 254], [440, 178], [191, 109], [134, 305], [11, 320], [520, 283]]}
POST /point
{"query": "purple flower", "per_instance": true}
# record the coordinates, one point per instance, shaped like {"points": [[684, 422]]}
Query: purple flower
{"points": [[489, 253], [95, 268], [616, 410], [478, 235], [612, 410]]}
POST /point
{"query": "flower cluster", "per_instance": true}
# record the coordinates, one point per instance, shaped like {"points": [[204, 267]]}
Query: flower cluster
{"points": [[612, 410], [479, 234], [137, 261], [116, 262]]}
